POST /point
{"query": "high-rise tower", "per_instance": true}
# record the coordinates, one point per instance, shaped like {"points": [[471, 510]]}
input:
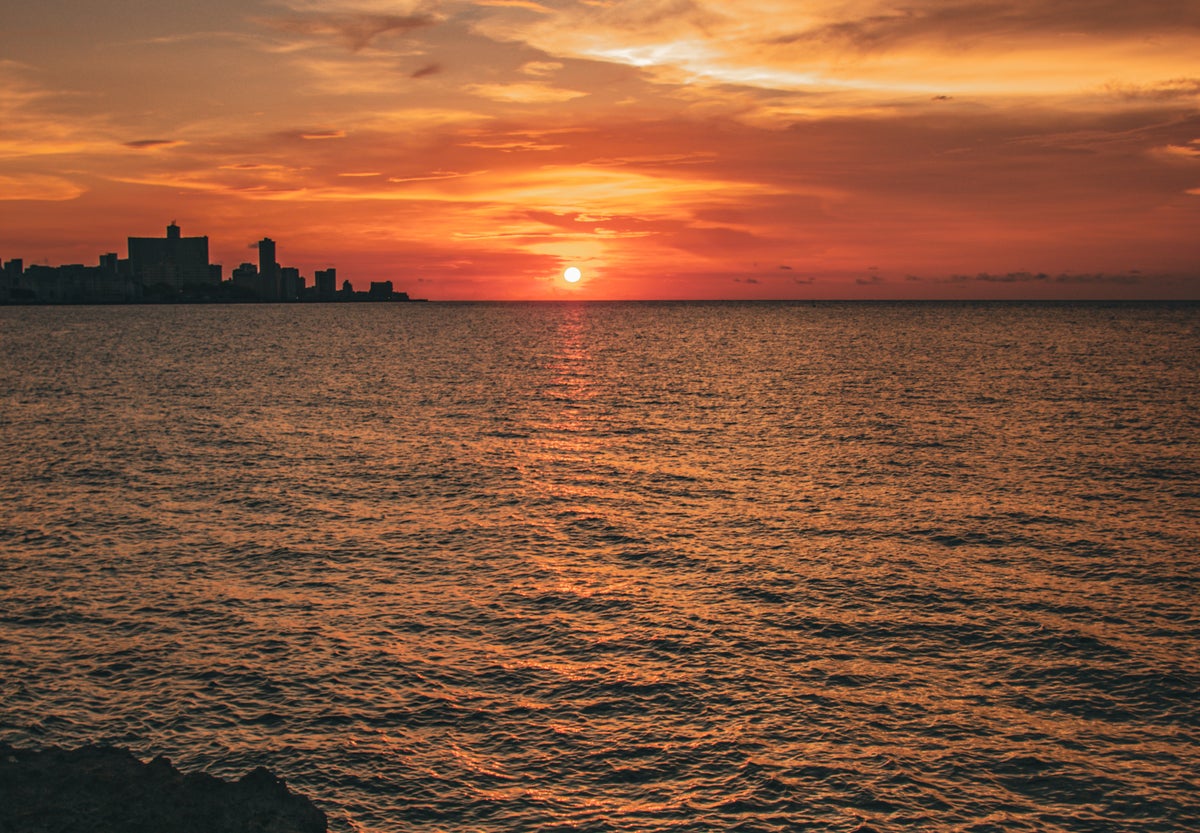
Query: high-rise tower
{"points": [[268, 270]]}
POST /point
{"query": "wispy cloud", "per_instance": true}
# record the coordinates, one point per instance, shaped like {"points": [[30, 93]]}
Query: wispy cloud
{"points": [[541, 69], [152, 144], [1044, 278], [523, 93], [319, 135], [528, 5], [426, 71], [434, 176], [38, 187], [355, 31], [1174, 89]]}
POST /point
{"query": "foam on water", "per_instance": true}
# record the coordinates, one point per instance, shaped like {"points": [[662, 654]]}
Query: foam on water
{"points": [[623, 567]]}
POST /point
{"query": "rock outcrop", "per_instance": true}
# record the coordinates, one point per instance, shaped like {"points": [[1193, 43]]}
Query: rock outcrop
{"points": [[99, 789]]}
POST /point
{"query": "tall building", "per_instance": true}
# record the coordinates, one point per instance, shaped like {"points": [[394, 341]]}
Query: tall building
{"points": [[290, 283], [10, 279], [326, 280], [172, 260], [268, 270]]}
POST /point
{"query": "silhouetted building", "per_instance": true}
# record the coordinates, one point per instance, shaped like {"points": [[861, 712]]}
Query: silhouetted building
{"points": [[75, 283], [174, 260], [10, 280], [291, 284], [246, 277], [380, 291], [326, 280], [214, 274], [268, 270]]}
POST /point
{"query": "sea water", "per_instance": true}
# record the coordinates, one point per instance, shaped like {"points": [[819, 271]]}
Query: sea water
{"points": [[617, 567]]}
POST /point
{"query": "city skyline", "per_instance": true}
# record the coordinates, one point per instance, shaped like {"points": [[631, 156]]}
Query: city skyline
{"points": [[684, 149], [174, 268]]}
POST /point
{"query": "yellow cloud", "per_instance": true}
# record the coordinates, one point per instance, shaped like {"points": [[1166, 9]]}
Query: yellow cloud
{"points": [[1180, 153], [433, 176], [516, 4], [603, 190], [523, 93], [868, 51], [541, 69]]}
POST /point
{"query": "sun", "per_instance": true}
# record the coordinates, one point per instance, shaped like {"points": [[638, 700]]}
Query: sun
{"points": [[572, 274]]}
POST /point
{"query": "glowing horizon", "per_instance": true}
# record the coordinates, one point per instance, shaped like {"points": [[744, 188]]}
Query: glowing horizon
{"points": [[476, 150]]}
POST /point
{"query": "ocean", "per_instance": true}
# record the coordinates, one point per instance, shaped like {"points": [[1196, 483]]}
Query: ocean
{"points": [[617, 567]]}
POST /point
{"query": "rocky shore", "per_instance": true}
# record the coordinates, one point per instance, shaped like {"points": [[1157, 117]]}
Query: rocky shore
{"points": [[99, 789]]}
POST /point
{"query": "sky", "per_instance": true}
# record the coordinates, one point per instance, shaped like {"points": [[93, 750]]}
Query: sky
{"points": [[666, 148]]}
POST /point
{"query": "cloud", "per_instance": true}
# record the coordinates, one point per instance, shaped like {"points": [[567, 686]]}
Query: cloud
{"points": [[528, 5], [540, 69], [39, 187], [355, 31], [434, 176], [1008, 277], [774, 63], [426, 71], [359, 75], [1174, 89], [1131, 277], [925, 21], [523, 93], [152, 144], [1188, 154], [506, 145], [316, 135], [1128, 278]]}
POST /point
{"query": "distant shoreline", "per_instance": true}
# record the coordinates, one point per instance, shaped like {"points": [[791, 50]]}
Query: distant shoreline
{"points": [[218, 302]]}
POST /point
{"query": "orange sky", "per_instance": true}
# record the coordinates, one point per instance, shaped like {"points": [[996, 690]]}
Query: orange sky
{"points": [[668, 148]]}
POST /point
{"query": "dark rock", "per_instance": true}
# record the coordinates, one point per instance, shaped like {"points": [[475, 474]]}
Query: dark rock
{"points": [[98, 789]]}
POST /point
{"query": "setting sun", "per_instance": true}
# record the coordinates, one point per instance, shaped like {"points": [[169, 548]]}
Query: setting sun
{"points": [[572, 274]]}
